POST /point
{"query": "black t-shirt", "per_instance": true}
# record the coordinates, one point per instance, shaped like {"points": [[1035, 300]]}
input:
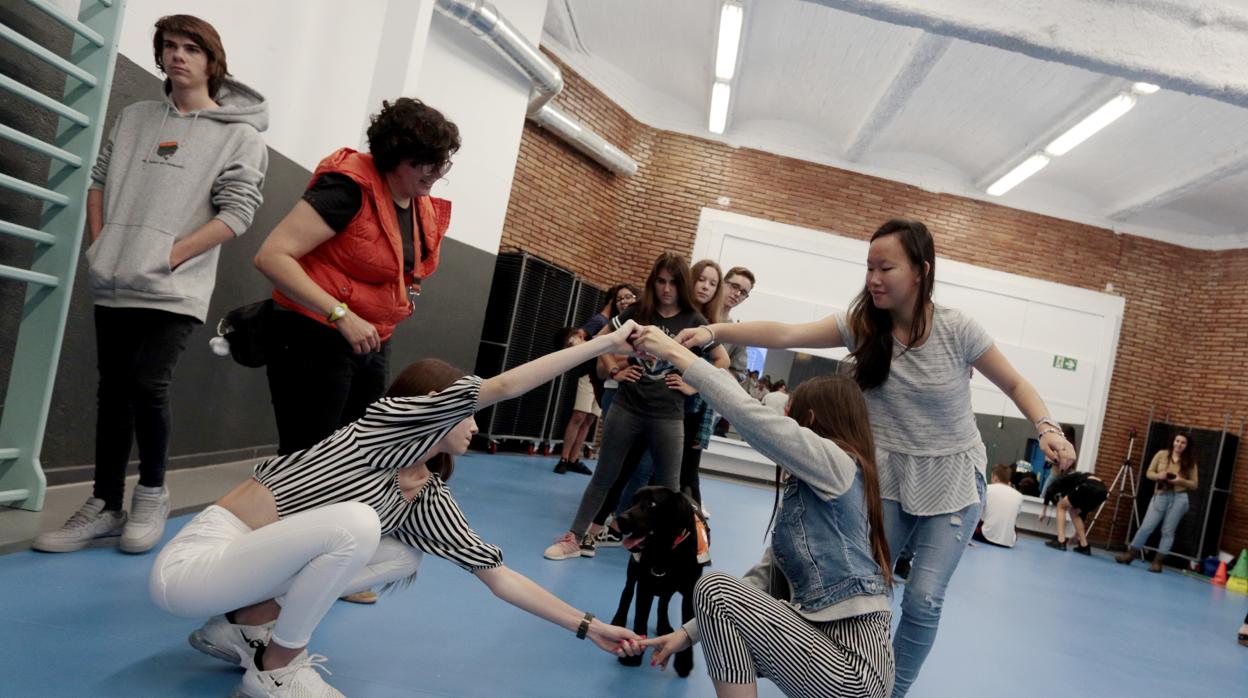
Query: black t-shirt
{"points": [[337, 198], [650, 395]]}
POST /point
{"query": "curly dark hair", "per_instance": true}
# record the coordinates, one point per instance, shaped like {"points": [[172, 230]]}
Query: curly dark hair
{"points": [[409, 128]]}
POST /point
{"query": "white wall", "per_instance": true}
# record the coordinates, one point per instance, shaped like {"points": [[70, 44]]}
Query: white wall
{"points": [[324, 65], [486, 97], [805, 274]]}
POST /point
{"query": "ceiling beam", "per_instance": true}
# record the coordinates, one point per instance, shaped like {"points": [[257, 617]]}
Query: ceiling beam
{"points": [[1175, 188], [911, 73], [1094, 98], [1197, 48]]}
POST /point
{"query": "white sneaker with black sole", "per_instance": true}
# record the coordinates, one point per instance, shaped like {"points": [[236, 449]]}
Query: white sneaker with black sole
{"points": [[299, 679], [89, 524], [149, 508], [231, 642]]}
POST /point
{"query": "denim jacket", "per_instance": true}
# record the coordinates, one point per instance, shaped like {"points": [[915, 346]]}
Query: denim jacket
{"points": [[821, 545], [824, 547]]}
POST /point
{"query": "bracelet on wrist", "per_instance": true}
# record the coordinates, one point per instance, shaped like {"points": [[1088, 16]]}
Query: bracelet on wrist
{"points": [[712, 332], [1049, 430], [1050, 421], [584, 627]]}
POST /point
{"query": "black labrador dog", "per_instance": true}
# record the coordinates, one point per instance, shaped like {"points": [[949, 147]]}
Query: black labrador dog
{"points": [[660, 532]]}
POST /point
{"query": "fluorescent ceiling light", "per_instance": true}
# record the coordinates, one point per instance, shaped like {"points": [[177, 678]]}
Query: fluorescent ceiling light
{"points": [[1027, 168], [731, 17], [1095, 121], [719, 106], [1144, 88]]}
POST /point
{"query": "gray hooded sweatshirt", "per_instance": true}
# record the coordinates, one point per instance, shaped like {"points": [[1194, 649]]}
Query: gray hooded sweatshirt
{"points": [[164, 175]]}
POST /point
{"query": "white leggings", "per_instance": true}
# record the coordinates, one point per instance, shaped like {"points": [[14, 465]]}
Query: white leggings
{"points": [[217, 564]]}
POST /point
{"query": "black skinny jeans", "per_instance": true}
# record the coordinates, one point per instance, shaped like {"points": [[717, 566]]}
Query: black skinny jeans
{"points": [[136, 350], [317, 381]]}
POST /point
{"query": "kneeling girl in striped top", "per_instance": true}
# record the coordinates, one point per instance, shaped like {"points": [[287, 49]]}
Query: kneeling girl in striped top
{"points": [[356, 510], [813, 616]]}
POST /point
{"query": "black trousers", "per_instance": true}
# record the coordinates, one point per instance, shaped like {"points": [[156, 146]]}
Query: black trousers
{"points": [[316, 380], [136, 352]]}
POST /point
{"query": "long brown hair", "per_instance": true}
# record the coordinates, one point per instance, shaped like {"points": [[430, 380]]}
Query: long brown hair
{"points": [[710, 309], [833, 407], [678, 267], [872, 327], [421, 378], [1187, 459], [204, 35]]}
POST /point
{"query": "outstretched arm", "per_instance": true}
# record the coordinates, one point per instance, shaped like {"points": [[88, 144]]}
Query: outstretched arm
{"points": [[525, 377], [998, 369], [525, 594], [772, 335]]}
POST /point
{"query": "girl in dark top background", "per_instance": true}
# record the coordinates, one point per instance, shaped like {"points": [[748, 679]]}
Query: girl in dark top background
{"points": [[645, 407]]}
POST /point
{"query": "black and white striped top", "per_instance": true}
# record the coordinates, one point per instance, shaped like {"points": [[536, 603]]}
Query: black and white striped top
{"points": [[360, 463]]}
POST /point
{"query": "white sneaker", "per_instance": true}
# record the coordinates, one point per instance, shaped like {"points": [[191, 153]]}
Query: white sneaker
{"points": [[149, 507], [564, 548], [295, 680], [90, 523], [234, 643]]}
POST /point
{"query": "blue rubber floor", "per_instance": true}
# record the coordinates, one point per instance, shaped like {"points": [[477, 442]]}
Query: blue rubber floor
{"points": [[1024, 622]]}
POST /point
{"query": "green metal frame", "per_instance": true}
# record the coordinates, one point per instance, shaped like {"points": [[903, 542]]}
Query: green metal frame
{"points": [[50, 278]]}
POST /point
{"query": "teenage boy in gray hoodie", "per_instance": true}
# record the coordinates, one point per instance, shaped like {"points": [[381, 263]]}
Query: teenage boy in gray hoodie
{"points": [[174, 181]]}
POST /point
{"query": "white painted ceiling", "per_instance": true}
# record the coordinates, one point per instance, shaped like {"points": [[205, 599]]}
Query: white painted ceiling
{"points": [[945, 112]]}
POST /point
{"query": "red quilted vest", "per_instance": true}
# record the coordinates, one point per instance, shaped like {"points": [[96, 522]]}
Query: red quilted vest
{"points": [[362, 266]]}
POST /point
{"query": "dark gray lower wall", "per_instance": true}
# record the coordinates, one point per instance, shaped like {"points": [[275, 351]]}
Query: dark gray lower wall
{"points": [[221, 410]]}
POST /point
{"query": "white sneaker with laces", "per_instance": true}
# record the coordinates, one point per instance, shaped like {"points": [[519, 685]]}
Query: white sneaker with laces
{"points": [[88, 524], [299, 679], [232, 642], [149, 507]]}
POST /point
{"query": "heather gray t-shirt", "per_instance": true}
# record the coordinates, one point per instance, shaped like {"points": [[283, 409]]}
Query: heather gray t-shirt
{"points": [[922, 419]]}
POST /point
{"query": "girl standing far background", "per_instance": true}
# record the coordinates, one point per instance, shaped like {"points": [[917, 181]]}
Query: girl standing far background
{"points": [[913, 360], [1174, 471]]}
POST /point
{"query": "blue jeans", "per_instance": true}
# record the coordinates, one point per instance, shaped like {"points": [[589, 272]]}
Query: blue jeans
{"points": [[1167, 509], [937, 543]]}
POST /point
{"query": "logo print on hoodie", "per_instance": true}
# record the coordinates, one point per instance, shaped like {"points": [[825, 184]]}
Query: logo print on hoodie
{"points": [[167, 149]]}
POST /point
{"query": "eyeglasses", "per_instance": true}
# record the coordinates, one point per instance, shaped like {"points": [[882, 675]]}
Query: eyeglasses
{"points": [[739, 290]]}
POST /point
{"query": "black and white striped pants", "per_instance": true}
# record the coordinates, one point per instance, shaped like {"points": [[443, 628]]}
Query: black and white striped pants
{"points": [[745, 633]]}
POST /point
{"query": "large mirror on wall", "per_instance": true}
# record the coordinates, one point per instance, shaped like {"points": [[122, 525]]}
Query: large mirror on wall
{"points": [[1008, 440]]}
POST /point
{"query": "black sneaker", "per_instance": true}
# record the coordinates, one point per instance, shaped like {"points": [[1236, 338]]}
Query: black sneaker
{"points": [[1056, 544], [608, 538], [561, 467], [588, 545], [578, 467], [1084, 549]]}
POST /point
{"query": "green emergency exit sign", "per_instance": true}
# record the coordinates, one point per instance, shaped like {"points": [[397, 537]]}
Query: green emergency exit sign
{"points": [[1065, 363]]}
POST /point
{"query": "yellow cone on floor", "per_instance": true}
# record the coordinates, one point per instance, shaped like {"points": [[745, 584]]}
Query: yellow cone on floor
{"points": [[1239, 575]]}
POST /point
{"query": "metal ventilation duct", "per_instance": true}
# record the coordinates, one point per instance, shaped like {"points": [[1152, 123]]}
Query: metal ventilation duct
{"points": [[485, 21]]}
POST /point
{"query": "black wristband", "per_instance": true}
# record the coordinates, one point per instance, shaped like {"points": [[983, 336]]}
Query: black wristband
{"points": [[580, 632]]}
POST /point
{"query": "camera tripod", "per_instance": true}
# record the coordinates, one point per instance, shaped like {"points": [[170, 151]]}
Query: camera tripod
{"points": [[1125, 478]]}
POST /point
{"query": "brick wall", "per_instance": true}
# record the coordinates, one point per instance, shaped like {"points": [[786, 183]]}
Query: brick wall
{"points": [[1185, 330]]}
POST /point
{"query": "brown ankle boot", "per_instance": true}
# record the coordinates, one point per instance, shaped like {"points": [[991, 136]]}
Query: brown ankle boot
{"points": [[1125, 557], [1158, 563]]}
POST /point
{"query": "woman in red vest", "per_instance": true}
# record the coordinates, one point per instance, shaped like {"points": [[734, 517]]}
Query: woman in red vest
{"points": [[347, 262]]}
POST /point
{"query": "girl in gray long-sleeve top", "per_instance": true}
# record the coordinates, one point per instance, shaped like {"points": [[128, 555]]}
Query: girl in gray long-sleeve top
{"points": [[814, 615]]}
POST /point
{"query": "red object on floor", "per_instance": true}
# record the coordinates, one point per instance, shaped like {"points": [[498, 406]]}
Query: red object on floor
{"points": [[1220, 577]]}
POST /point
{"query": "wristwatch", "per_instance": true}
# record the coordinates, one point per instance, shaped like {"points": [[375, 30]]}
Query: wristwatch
{"points": [[338, 313]]}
